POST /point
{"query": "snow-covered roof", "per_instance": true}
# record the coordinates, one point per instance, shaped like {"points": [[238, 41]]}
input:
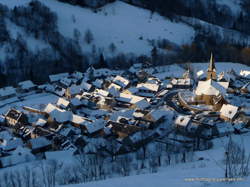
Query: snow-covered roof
{"points": [[148, 86], [57, 77], [26, 84], [181, 81], [63, 103], [58, 114], [182, 120], [77, 75], [200, 74], [98, 83], [245, 73], [66, 81], [210, 87], [74, 89], [114, 92], [142, 104], [86, 86], [157, 114], [121, 81], [40, 122], [39, 142], [20, 155], [101, 92], [229, 111], [112, 85], [78, 120], [128, 98], [95, 125], [6, 91], [76, 101]]}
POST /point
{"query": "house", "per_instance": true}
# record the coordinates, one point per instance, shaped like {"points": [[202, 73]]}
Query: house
{"points": [[87, 126], [121, 81], [132, 101], [101, 92], [7, 92], [86, 86], [155, 116], [39, 145], [72, 91], [57, 77], [65, 82], [98, 83], [40, 123], [15, 118], [228, 112], [122, 130], [62, 103], [57, 115], [181, 83], [77, 103], [181, 123], [147, 89], [26, 86]]}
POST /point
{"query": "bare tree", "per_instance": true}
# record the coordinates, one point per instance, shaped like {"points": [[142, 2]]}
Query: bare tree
{"points": [[88, 37], [237, 162]]}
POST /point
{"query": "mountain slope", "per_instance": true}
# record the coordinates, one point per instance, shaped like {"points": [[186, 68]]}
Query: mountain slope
{"points": [[117, 23]]}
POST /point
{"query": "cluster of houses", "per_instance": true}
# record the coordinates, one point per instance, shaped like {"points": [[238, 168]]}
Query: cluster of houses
{"points": [[112, 111]]}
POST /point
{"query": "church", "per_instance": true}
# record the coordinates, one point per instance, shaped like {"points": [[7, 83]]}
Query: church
{"points": [[211, 91]]}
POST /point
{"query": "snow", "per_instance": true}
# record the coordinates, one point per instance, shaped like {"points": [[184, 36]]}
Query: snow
{"points": [[6, 91], [234, 5], [57, 77], [26, 84], [118, 23], [229, 111]]}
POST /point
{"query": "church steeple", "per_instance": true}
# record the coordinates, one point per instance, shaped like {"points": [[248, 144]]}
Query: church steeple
{"points": [[211, 72]]}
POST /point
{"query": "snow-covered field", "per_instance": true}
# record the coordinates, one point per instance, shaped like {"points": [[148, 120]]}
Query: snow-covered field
{"points": [[118, 23], [180, 175]]}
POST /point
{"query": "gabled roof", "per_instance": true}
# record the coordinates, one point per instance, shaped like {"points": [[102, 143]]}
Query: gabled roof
{"points": [[182, 120], [86, 86], [101, 92], [128, 98], [57, 77], [6, 91], [121, 81], [63, 103], [74, 89], [39, 142], [148, 86], [40, 122], [229, 111], [157, 114], [98, 83], [66, 81], [26, 84], [211, 87]]}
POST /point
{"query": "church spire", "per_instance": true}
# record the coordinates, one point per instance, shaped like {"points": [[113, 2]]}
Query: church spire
{"points": [[212, 63], [211, 72]]}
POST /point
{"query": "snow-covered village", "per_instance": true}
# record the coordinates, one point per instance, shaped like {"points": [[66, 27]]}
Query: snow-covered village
{"points": [[112, 113], [124, 93]]}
